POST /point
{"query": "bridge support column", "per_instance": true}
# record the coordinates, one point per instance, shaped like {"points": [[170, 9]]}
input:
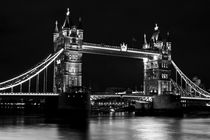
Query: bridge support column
{"points": [[68, 69], [157, 75], [145, 61]]}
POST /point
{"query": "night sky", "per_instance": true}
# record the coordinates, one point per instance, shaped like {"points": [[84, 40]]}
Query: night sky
{"points": [[26, 29]]}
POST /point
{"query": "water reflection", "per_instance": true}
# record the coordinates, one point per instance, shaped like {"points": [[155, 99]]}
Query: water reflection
{"points": [[149, 128], [27, 127], [104, 127], [158, 128]]}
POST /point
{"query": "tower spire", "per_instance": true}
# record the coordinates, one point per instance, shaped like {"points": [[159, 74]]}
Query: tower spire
{"points": [[145, 39], [156, 27], [168, 36], [66, 23], [80, 23], [56, 26], [67, 13], [145, 45]]}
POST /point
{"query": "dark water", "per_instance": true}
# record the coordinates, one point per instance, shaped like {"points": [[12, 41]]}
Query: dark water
{"points": [[109, 127]]}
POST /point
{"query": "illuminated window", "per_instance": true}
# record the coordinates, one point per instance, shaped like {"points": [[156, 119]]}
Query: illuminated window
{"points": [[164, 76], [169, 45], [148, 65], [164, 52], [164, 65], [80, 35], [155, 65]]}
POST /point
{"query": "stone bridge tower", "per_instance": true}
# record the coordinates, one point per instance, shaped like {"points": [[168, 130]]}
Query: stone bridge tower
{"points": [[68, 67], [73, 99], [157, 73]]}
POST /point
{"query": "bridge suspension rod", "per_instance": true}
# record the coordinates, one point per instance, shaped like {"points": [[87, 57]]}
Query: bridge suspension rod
{"points": [[37, 83], [181, 81], [20, 88], [44, 81], [29, 85]]}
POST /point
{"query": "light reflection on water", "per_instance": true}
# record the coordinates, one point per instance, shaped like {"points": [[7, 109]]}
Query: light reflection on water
{"points": [[111, 127]]}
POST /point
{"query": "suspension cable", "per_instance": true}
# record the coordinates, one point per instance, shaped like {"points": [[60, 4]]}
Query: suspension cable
{"points": [[37, 83], [40, 69], [44, 82], [192, 85], [29, 85], [45, 60], [20, 88]]}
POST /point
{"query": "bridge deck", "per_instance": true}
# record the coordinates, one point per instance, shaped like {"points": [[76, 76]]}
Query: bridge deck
{"points": [[96, 95], [195, 98], [28, 94]]}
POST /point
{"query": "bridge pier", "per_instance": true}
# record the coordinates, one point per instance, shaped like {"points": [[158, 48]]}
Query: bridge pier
{"points": [[167, 105]]}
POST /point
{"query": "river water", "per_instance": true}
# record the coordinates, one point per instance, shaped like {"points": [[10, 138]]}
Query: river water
{"points": [[107, 127]]}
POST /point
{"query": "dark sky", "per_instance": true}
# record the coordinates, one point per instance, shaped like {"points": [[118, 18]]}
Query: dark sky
{"points": [[26, 29]]}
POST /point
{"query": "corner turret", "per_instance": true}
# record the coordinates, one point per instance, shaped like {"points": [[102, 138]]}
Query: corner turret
{"points": [[56, 31], [157, 69], [145, 45], [80, 31], [68, 72]]}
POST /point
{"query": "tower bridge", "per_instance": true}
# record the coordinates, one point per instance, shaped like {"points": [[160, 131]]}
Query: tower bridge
{"points": [[67, 75]]}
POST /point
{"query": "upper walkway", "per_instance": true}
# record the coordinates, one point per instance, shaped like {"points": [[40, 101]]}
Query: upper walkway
{"points": [[121, 51]]}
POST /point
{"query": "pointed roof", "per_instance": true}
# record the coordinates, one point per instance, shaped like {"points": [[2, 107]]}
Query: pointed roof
{"points": [[56, 27], [66, 23], [80, 23], [145, 39], [168, 37], [156, 27]]}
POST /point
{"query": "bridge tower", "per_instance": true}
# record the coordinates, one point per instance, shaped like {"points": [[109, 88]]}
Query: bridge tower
{"points": [[157, 73], [73, 99], [68, 67]]}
